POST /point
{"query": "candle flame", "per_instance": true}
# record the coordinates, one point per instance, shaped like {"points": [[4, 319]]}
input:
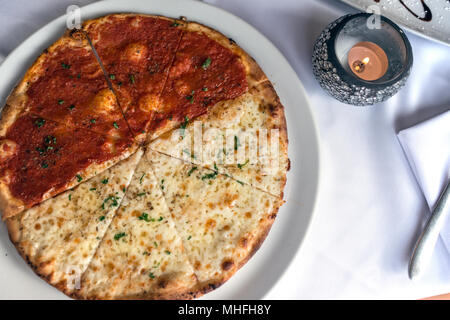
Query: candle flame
{"points": [[365, 60]]}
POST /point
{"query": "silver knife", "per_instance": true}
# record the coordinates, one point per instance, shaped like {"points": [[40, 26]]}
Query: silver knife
{"points": [[424, 247]]}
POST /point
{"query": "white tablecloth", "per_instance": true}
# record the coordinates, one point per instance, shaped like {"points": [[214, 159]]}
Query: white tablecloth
{"points": [[370, 208]]}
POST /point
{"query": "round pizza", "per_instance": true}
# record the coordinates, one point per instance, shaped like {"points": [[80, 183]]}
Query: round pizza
{"points": [[141, 157]]}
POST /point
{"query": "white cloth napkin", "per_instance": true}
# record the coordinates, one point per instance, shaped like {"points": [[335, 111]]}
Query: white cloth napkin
{"points": [[427, 147]]}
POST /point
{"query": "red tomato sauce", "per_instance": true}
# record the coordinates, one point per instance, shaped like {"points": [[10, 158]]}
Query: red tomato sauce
{"points": [[203, 73], [69, 92], [50, 155], [137, 53]]}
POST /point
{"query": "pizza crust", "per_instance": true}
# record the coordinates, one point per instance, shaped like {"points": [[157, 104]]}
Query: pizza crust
{"points": [[92, 24], [8, 204]]}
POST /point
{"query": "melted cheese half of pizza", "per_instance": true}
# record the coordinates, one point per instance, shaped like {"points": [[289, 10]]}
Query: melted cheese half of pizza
{"points": [[221, 221], [244, 138], [60, 236], [142, 255]]}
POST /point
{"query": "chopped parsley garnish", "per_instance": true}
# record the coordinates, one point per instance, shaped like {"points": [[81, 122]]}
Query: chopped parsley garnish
{"points": [[70, 197], [240, 182], [79, 178], [117, 236], [112, 76], [105, 181], [124, 189], [206, 63], [191, 97], [79, 75], [44, 165], [101, 218], [183, 126], [205, 89], [142, 177], [141, 194], [241, 165], [191, 171], [71, 107], [65, 66], [92, 189], [185, 123], [92, 121], [160, 218], [39, 122], [162, 184], [167, 252], [237, 144], [116, 125], [113, 200], [151, 275], [210, 176], [50, 140], [60, 101], [175, 24], [144, 216], [156, 244], [189, 238], [132, 80], [47, 141]]}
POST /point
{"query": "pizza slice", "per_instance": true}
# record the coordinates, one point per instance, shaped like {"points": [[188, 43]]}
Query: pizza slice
{"points": [[245, 138], [66, 84], [137, 51], [49, 159], [141, 255], [221, 221], [59, 236], [208, 68]]}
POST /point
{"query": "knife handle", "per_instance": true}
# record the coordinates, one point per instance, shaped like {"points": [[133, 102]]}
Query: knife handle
{"points": [[424, 247]]}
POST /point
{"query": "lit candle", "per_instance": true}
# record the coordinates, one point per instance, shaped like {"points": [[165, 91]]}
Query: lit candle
{"points": [[349, 62], [367, 61]]}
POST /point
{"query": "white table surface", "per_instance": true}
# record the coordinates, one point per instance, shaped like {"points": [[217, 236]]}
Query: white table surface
{"points": [[370, 209]]}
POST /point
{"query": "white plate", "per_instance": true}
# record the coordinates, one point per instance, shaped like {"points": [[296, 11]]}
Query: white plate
{"points": [[410, 14], [254, 280]]}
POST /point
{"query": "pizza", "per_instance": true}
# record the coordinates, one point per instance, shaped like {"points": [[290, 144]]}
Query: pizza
{"points": [[142, 157]]}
